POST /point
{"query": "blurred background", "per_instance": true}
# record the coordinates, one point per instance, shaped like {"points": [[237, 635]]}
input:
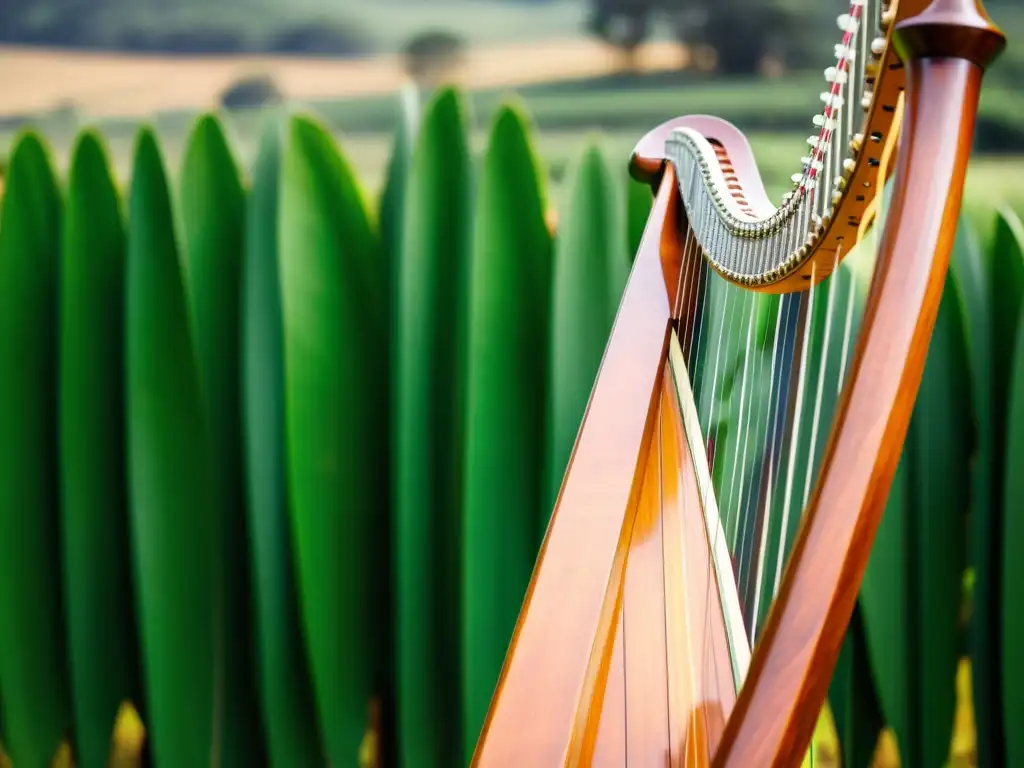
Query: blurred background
{"points": [[593, 76], [618, 66]]}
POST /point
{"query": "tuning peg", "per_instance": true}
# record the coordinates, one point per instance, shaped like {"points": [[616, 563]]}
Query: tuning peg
{"points": [[835, 75], [878, 46], [848, 22], [832, 99]]}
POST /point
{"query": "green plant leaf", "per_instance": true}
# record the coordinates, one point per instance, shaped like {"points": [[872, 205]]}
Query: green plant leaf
{"points": [[173, 495], [1013, 563], [33, 668], [212, 215], [333, 287], [392, 199], [286, 693], [589, 275], [967, 270], [507, 398], [430, 391], [853, 698], [911, 594], [1005, 263], [94, 486]]}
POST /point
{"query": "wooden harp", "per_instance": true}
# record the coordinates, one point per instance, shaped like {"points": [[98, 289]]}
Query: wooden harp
{"points": [[673, 618]]}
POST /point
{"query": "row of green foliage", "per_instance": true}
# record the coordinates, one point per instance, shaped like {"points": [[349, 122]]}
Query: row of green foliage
{"points": [[273, 455], [248, 429]]}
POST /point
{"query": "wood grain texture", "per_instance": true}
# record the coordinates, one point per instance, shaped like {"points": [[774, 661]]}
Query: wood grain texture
{"points": [[788, 681], [559, 645], [647, 741], [702, 689], [610, 743]]}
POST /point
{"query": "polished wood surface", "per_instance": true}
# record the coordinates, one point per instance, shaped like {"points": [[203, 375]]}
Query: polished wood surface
{"points": [[777, 709], [560, 645], [670, 654], [702, 688], [610, 744], [647, 739]]}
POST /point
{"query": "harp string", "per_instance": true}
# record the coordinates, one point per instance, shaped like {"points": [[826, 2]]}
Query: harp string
{"points": [[765, 371]]}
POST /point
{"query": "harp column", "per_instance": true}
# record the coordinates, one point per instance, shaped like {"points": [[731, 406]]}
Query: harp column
{"points": [[946, 49]]}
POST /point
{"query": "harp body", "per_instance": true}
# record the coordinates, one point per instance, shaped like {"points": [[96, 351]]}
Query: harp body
{"points": [[639, 642]]}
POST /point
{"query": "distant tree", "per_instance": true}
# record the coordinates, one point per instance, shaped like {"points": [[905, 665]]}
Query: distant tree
{"points": [[323, 38], [251, 92], [742, 32], [432, 55], [623, 24]]}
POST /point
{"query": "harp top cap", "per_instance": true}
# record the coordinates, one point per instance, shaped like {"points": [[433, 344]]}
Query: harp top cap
{"points": [[958, 29]]}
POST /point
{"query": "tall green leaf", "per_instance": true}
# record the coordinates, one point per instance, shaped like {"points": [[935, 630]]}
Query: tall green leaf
{"points": [[287, 697], [94, 485], [1013, 563], [430, 390], [967, 270], [853, 699], [33, 668], [911, 594], [589, 275], [333, 286], [172, 485], [1005, 262], [212, 207], [1005, 274], [392, 198], [506, 401]]}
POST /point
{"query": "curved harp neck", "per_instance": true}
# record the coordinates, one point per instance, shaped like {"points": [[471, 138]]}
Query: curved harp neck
{"points": [[946, 49]]}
